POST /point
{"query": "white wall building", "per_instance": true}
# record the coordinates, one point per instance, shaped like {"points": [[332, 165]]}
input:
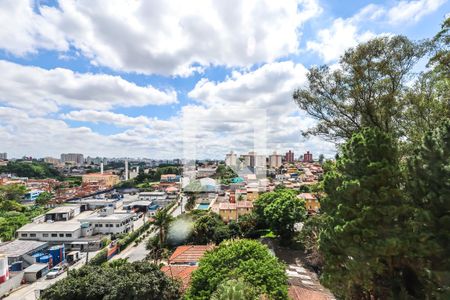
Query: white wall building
{"points": [[275, 160], [51, 232], [107, 221], [231, 159]]}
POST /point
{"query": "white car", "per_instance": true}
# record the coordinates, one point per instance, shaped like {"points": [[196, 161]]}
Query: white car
{"points": [[55, 272]]}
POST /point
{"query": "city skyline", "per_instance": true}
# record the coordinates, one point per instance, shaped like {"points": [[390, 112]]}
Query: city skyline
{"points": [[85, 93]]}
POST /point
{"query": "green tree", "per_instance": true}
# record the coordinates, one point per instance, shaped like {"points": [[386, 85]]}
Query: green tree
{"points": [[281, 210], [138, 280], [235, 289], [367, 241], [161, 221], [321, 158], [12, 192], [209, 228], [364, 92], [246, 259], [44, 198], [429, 187], [309, 237], [190, 203], [34, 169]]}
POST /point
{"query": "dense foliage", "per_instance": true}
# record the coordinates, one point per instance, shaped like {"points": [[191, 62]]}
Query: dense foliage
{"points": [[224, 174], [429, 188], [139, 280], [383, 233], [32, 169], [209, 228], [244, 260], [367, 242], [14, 215], [280, 211]]}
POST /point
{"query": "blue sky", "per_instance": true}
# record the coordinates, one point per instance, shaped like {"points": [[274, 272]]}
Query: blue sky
{"points": [[152, 78]]}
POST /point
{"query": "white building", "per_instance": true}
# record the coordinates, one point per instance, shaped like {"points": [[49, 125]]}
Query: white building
{"points": [[231, 159], [109, 222], [76, 158], [62, 213], [51, 232], [275, 160]]}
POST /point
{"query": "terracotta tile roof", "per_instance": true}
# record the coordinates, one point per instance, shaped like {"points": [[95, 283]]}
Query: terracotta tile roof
{"points": [[307, 196], [244, 204], [189, 253], [183, 273], [300, 293]]}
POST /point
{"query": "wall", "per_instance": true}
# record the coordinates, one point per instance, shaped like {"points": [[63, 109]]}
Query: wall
{"points": [[12, 283]]}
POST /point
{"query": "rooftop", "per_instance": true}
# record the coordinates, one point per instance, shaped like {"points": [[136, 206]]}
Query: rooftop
{"points": [[35, 268], [300, 293], [307, 196], [57, 226], [189, 253], [63, 209], [112, 217], [183, 273], [20, 247]]}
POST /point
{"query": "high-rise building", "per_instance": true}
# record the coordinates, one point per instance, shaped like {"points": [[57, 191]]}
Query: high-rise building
{"points": [[4, 155], [231, 159], [275, 160], [51, 160], [72, 157], [253, 160], [126, 169], [307, 157], [289, 157]]}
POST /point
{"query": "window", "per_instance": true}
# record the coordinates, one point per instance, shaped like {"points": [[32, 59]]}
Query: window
{"points": [[117, 225], [68, 235], [45, 234], [100, 225], [32, 234], [61, 235], [24, 234], [96, 225], [54, 235]]}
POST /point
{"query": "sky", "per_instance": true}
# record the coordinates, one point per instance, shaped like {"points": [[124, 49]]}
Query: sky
{"points": [[172, 79]]}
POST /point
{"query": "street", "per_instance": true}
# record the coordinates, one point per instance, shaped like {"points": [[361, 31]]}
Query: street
{"points": [[29, 291], [136, 253], [132, 253]]}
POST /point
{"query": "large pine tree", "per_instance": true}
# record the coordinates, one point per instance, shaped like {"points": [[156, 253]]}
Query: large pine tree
{"points": [[429, 186], [367, 240]]}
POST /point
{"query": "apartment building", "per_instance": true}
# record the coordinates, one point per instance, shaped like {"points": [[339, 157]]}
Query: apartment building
{"points": [[106, 180]]}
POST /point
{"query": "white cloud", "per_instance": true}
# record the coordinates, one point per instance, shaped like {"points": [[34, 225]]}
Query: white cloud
{"points": [[164, 37], [107, 117], [43, 91], [24, 31], [227, 116], [231, 111], [332, 42], [412, 11]]}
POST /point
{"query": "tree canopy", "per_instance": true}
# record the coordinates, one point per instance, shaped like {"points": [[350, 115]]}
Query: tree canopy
{"points": [[429, 187], [138, 280], [245, 260], [280, 210], [367, 242]]}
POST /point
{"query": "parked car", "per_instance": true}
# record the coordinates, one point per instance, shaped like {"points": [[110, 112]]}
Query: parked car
{"points": [[55, 272]]}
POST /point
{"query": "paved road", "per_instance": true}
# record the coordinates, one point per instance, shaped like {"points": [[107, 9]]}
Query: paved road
{"points": [[28, 291], [133, 253], [136, 253]]}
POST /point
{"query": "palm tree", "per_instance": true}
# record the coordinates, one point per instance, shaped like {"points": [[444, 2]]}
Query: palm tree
{"points": [[162, 220]]}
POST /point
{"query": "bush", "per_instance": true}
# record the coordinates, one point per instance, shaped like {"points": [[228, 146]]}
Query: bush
{"points": [[248, 260]]}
